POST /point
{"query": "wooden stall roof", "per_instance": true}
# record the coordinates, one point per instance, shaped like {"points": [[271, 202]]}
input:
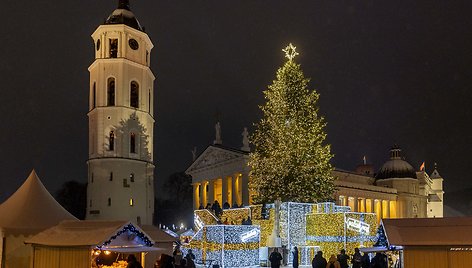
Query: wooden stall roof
{"points": [[454, 231]]}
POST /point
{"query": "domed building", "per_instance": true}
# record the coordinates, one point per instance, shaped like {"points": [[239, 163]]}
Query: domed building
{"points": [[397, 190], [398, 174]]}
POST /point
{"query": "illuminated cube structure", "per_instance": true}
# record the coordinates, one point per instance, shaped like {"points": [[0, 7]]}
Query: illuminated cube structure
{"points": [[310, 227], [226, 245], [334, 227]]}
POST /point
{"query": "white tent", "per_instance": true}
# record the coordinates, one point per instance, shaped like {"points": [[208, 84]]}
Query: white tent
{"points": [[70, 243], [30, 210]]}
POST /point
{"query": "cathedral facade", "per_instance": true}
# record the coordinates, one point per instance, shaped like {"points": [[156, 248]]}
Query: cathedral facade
{"points": [[396, 191], [121, 121]]}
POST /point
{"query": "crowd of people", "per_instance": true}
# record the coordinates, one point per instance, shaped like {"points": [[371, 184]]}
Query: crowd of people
{"points": [[177, 260], [216, 207], [342, 260], [357, 260]]}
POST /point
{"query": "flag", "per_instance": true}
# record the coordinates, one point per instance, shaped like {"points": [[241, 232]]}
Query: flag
{"points": [[422, 167]]}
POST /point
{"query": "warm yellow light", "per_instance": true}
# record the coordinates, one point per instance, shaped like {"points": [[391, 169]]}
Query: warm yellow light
{"points": [[290, 51], [107, 252], [96, 252], [131, 202]]}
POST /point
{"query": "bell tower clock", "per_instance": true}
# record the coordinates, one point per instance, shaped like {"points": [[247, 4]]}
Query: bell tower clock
{"points": [[120, 162]]}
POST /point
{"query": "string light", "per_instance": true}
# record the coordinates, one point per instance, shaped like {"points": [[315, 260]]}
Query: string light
{"points": [[310, 227], [130, 229], [227, 245]]}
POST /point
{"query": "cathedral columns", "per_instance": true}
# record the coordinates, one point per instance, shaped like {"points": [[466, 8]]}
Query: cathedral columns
{"points": [[356, 208], [245, 190], [386, 208], [211, 191], [196, 194], [224, 190], [204, 192]]}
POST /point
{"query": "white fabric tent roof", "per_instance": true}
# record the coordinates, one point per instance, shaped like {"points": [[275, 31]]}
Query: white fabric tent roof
{"points": [[157, 234], [31, 209], [88, 233]]}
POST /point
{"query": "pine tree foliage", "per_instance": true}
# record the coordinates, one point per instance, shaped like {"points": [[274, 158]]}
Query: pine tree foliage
{"points": [[291, 160]]}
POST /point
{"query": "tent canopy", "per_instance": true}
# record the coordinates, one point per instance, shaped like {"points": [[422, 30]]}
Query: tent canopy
{"points": [[31, 209], [109, 234], [157, 234]]}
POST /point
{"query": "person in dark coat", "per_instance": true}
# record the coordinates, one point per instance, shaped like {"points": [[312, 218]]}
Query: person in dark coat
{"points": [[365, 260], [356, 259], [295, 257], [275, 258], [190, 254], [318, 261], [379, 261], [178, 256], [343, 259], [133, 262], [165, 261]]}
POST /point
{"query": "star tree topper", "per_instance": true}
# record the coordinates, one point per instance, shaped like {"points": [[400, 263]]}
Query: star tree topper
{"points": [[290, 51]]}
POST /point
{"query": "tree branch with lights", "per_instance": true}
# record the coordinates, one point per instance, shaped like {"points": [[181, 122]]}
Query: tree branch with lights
{"points": [[291, 160]]}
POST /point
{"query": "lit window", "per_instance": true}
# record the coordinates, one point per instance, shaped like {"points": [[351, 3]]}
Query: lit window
{"points": [[134, 95], [131, 202]]}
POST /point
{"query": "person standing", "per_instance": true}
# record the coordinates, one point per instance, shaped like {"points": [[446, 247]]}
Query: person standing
{"points": [[365, 260], [333, 262], [133, 262], [275, 258], [295, 257], [356, 259], [318, 261], [284, 255], [343, 258], [178, 256]]}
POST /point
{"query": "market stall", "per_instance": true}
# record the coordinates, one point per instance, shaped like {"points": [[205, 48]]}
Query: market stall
{"points": [[87, 244]]}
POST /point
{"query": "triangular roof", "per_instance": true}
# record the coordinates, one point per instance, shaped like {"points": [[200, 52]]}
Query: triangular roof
{"points": [[215, 154], [453, 231], [31, 209], [435, 174], [105, 234], [157, 234]]}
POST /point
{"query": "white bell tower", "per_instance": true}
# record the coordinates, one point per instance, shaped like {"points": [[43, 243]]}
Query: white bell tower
{"points": [[120, 164]]}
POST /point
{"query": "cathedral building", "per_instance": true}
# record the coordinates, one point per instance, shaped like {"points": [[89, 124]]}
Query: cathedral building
{"points": [[396, 191], [121, 121]]}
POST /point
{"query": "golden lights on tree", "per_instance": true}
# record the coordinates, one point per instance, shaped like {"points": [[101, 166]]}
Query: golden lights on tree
{"points": [[291, 160]]}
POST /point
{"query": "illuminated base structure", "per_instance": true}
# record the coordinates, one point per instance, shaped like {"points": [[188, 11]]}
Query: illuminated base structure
{"points": [[310, 227], [227, 245]]}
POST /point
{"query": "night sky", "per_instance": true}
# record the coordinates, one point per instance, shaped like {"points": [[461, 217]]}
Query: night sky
{"points": [[387, 71]]}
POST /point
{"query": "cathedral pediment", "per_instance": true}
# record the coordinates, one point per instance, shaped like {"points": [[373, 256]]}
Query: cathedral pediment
{"points": [[215, 155]]}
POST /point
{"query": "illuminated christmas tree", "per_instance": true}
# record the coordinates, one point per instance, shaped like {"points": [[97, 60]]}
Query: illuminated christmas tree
{"points": [[291, 160]]}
